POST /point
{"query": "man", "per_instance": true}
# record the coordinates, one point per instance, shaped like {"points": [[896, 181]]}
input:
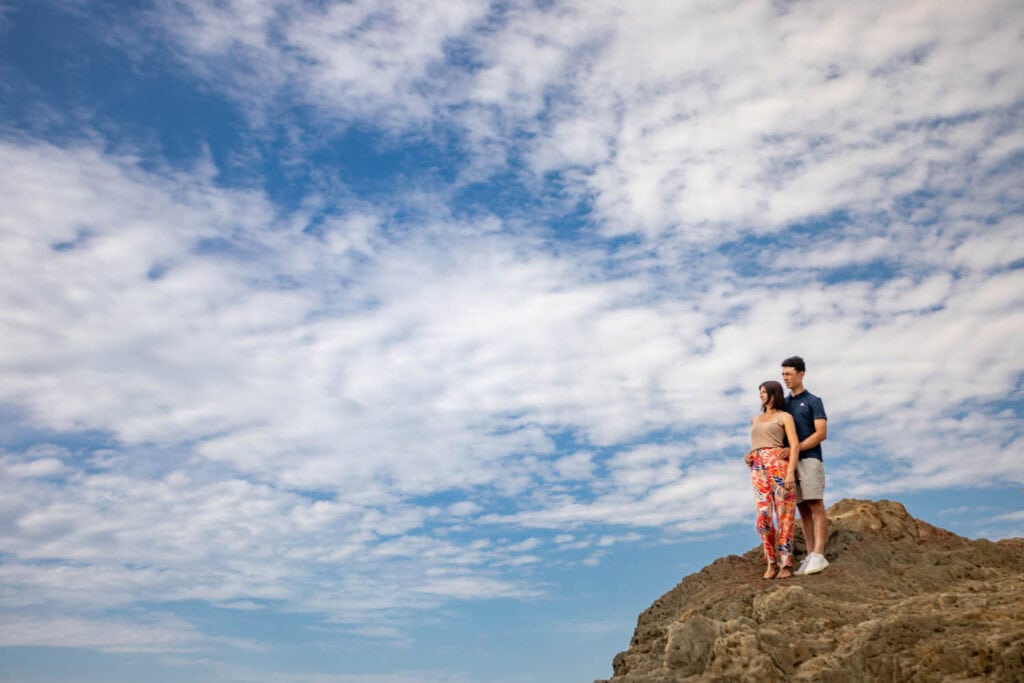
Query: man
{"points": [[811, 428]]}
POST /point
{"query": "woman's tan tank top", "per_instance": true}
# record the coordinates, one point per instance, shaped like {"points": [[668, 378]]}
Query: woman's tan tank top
{"points": [[767, 434]]}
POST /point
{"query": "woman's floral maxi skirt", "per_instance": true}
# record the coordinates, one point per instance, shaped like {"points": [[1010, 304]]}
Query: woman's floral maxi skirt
{"points": [[768, 477]]}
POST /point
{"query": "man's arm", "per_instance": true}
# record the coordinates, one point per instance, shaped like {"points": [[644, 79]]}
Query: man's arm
{"points": [[819, 435]]}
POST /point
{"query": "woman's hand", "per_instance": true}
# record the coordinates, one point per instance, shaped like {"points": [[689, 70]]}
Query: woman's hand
{"points": [[790, 481], [749, 457]]}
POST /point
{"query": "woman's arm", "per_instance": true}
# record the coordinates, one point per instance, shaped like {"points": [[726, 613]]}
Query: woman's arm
{"points": [[794, 449], [749, 457]]}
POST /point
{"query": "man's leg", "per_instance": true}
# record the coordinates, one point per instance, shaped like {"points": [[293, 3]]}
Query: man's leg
{"points": [[810, 487], [807, 524], [819, 521], [815, 523]]}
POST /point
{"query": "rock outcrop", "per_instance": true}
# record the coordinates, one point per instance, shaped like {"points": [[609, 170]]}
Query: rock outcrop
{"points": [[902, 601]]}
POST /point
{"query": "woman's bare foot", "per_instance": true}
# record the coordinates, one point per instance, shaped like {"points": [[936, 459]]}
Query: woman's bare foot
{"points": [[784, 573], [769, 573]]}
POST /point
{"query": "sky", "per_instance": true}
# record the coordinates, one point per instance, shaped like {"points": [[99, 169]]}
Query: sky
{"points": [[416, 342]]}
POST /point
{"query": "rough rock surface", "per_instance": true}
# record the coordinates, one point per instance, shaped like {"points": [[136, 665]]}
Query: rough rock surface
{"points": [[902, 601]]}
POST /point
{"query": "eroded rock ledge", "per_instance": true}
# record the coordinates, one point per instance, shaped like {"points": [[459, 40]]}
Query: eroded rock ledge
{"points": [[902, 601]]}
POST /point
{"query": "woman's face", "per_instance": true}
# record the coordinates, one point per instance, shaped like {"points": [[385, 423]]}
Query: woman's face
{"points": [[764, 396]]}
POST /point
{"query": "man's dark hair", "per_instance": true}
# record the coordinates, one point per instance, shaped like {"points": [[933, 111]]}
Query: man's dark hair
{"points": [[776, 399], [795, 362]]}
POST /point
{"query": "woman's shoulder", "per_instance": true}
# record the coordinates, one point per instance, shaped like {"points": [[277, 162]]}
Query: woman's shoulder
{"points": [[775, 417]]}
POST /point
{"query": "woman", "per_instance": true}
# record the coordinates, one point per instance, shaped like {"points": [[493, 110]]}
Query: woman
{"points": [[773, 475]]}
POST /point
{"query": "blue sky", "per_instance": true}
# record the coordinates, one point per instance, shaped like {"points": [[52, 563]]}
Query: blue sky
{"points": [[379, 342]]}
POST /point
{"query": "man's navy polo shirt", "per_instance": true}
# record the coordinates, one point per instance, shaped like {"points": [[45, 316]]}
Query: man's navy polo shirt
{"points": [[805, 408]]}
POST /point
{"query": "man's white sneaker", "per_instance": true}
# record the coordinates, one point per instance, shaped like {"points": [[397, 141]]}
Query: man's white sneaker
{"points": [[803, 566], [815, 563]]}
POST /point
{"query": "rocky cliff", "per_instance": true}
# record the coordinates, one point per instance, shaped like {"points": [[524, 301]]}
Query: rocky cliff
{"points": [[902, 601]]}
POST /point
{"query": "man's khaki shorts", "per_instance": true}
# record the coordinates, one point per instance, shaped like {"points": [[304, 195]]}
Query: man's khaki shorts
{"points": [[810, 480]]}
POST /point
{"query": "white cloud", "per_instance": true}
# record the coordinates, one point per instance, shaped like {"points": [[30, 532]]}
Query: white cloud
{"points": [[695, 120], [42, 467], [341, 423], [166, 634], [701, 120], [998, 246], [1017, 516], [464, 508], [575, 466], [353, 59], [469, 355]]}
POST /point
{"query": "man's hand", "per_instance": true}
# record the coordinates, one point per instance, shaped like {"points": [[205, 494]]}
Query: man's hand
{"points": [[784, 454]]}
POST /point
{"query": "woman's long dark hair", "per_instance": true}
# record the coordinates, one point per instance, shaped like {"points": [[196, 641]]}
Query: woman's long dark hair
{"points": [[776, 399]]}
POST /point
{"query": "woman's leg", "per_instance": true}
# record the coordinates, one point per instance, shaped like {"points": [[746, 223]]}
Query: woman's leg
{"points": [[761, 484], [785, 512]]}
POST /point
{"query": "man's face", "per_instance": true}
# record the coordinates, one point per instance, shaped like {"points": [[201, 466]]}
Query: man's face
{"points": [[792, 378]]}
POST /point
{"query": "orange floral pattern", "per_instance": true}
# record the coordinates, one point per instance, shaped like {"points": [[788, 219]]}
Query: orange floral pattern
{"points": [[768, 478]]}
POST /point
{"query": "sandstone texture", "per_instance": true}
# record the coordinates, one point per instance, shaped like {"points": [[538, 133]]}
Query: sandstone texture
{"points": [[902, 601]]}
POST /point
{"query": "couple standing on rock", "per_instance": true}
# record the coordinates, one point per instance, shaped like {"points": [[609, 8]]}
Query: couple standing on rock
{"points": [[783, 477]]}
